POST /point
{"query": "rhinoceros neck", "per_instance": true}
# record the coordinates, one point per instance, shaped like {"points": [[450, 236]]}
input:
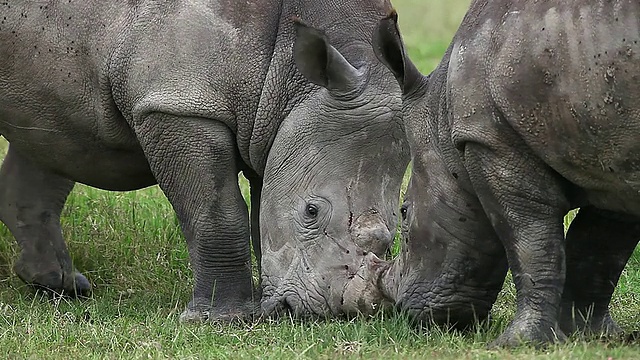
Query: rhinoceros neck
{"points": [[347, 24]]}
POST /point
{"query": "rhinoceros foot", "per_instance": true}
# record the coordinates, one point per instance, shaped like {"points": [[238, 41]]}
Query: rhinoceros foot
{"points": [[51, 278], [586, 322], [520, 333], [200, 310]]}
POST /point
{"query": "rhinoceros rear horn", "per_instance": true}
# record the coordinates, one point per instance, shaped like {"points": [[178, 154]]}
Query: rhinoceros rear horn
{"points": [[322, 64], [389, 48]]}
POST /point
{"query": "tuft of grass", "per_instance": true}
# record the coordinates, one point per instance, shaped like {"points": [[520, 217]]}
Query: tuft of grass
{"points": [[131, 248]]}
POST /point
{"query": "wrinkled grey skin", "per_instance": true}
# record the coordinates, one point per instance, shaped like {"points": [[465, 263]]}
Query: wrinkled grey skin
{"points": [[123, 94], [532, 112]]}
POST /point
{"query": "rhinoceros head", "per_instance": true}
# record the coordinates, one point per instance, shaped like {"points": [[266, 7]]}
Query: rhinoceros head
{"points": [[331, 182], [438, 276]]}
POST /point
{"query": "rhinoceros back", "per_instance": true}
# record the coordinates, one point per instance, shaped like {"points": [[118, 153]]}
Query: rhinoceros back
{"points": [[73, 74], [560, 78]]}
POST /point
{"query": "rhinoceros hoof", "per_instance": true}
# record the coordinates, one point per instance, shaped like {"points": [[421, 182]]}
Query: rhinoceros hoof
{"points": [[81, 287], [194, 316], [521, 333], [221, 314], [53, 281]]}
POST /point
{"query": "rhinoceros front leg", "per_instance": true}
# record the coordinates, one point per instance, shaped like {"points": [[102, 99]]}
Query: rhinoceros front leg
{"points": [[194, 162], [31, 199], [524, 201], [599, 244]]}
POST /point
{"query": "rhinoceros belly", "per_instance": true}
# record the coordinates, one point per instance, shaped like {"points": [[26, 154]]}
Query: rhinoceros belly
{"points": [[74, 149]]}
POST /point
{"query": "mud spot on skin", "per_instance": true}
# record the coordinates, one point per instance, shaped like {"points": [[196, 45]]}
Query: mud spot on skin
{"points": [[608, 98], [609, 74], [548, 78]]}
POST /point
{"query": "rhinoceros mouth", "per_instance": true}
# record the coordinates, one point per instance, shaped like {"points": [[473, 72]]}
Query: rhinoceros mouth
{"points": [[430, 304], [296, 301], [361, 293]]}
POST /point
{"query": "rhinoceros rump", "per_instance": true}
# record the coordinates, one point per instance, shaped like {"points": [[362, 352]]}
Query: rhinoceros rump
{"points": [[532, 112], [125, 94]]}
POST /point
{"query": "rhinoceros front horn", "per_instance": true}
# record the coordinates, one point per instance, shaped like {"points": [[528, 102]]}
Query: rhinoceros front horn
{"points": [[324, 65], [363, 293]]}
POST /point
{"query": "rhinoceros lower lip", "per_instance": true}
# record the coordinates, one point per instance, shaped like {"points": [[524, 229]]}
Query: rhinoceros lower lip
{"points": [[296, 304]]}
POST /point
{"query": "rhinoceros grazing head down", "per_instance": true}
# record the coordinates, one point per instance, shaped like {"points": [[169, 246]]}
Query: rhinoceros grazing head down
{"points": [[329, 208], [503, 145], [450, 267], [187, 94]]}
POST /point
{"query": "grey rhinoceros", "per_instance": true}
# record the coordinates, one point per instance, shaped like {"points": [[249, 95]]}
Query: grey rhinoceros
{"points": [[532, 112], [121, 95]]}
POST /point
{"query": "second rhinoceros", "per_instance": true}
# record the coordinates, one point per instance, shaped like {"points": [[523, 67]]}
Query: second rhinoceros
{"points": [[123, 94], [532, 112]]}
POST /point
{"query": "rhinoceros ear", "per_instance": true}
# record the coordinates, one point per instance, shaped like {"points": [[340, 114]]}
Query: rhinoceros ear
{"points": [[389, 48], [322, 64]]}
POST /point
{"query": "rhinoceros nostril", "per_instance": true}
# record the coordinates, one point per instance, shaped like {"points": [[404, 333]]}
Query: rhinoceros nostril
{"points": [[287, 307], [273, 307]]}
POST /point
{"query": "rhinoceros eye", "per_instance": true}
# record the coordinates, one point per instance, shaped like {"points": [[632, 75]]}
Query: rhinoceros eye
{"points": [[311, 210], [403, 210]]}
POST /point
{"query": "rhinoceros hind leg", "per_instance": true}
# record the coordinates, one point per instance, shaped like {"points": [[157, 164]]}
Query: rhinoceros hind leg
{"points": [[31, 199], [599, 243]]}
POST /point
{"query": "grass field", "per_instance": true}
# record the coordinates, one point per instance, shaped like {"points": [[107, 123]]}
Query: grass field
{"points": [[131, 248]]}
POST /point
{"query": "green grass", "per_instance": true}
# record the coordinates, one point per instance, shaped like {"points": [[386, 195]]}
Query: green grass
{"points": [[131, 248], [427, 28]]}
